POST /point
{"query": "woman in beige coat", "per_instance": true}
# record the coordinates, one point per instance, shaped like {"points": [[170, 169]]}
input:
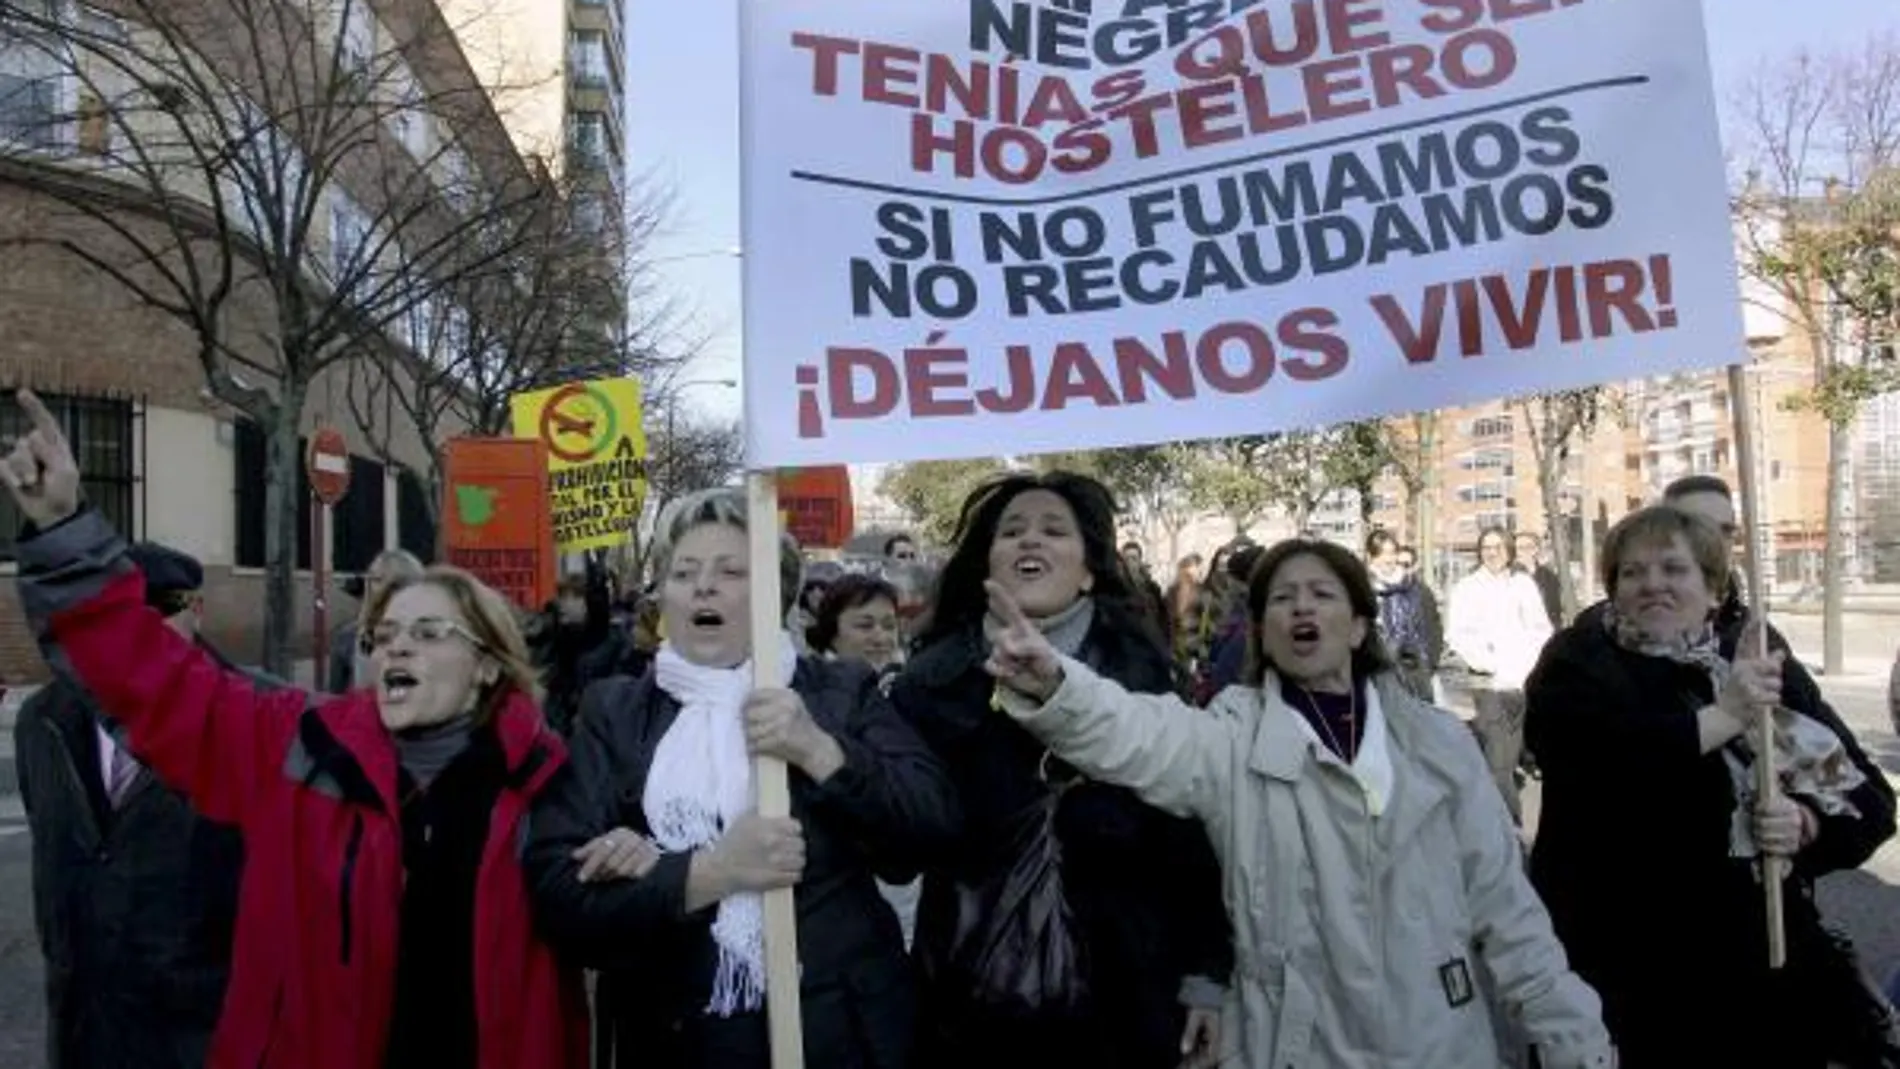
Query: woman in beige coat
{"points": [[1371, 869]]}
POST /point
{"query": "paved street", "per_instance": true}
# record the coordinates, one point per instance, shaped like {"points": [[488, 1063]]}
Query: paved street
{"points": [[1866, 902], [21, 1000]]}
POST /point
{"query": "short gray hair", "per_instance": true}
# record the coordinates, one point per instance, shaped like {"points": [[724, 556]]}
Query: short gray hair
{"points": [[724, 506], [396, 564]]}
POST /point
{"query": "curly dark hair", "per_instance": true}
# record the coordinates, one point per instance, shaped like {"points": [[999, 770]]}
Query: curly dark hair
{"points": [[960, 601], [845, 594], [1370, 658]]}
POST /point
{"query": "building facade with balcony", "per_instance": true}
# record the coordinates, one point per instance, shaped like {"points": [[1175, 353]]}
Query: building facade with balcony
{"points": [[159, 455]]}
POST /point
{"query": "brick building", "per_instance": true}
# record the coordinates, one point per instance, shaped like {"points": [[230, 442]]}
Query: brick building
{"points": [[159, 455]]}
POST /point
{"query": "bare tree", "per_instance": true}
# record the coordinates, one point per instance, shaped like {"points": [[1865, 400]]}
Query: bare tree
{"points": [[291, 182], [571, 303], [1413, 452], [1558, 423], [1819, 141]]}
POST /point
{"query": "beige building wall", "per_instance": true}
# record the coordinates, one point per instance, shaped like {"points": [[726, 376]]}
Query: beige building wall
{"points": [[518, 49]]}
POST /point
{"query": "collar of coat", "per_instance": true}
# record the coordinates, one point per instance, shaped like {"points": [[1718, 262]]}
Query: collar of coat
{"points": [[1114, 647], [343, 748], [1423, 745]]}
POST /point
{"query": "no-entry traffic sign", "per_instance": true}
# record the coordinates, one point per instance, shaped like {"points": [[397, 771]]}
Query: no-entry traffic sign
{"points": [[329, 465]]}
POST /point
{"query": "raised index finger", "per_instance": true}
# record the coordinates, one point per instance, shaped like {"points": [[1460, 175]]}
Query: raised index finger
{"points": [[40, 416], [1004, 605]]}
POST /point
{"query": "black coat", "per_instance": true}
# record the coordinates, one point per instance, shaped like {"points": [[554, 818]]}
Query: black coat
{"points": [[134, 906], [887, 809], [573, 659], [1632, 858], [1144, 887]]}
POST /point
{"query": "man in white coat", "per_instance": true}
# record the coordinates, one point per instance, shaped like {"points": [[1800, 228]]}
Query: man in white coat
{"points": [[1498, 627]]}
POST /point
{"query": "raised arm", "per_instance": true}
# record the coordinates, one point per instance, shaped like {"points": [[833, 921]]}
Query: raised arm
{"points": [[203, 729], [1175, 756]]}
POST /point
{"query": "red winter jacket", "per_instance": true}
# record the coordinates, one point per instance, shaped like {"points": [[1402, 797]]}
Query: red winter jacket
{"points": [[313, 788]]}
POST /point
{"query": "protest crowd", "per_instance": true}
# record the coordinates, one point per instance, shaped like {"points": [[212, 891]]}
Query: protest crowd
{"points": [[1045, 811]]}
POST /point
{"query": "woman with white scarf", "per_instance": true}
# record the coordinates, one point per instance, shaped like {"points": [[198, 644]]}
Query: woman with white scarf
{"points": [[649, 863], [1649, 844]]}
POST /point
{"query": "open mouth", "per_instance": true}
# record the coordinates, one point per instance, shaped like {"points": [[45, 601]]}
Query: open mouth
{"points": [[708, 618], [1305, 637], [398, 683], [1031, 568]]}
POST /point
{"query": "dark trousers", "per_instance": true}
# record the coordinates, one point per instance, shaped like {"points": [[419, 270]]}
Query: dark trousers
{"points": [[1499, 725]]}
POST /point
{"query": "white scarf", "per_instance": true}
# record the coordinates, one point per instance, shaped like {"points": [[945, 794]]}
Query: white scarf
{"points": [[699, 784]]}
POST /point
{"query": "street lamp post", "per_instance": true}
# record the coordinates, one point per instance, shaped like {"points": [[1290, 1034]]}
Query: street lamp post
{"points": [[728, 252]]}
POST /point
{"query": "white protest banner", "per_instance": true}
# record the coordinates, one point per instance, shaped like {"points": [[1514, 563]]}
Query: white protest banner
{"points": [[982, 226]]}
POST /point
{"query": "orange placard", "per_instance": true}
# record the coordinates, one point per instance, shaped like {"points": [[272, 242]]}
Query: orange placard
{"points": [[815, 505], [495, 520]]}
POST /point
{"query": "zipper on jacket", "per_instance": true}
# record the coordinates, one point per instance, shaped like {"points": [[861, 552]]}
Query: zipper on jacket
{"points": [[346, 884]]}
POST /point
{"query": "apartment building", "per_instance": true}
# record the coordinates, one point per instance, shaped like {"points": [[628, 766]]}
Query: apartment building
{"points": [[159, 455], [556, 72]]}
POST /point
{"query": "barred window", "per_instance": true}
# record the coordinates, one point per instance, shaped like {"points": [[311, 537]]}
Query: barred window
{"points": [[415, 528], [250, 452], [101, 434]]}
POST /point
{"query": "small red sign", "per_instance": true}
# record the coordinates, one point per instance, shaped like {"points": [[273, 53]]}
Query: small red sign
{"points": [[815, 506], [329, 465]]}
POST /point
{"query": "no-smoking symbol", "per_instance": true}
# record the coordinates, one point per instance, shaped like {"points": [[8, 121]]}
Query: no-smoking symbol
{"points": [[578, 423]]}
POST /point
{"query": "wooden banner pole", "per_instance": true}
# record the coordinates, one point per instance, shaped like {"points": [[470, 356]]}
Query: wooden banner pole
{"points": [[1766, 783], [769, 774]]}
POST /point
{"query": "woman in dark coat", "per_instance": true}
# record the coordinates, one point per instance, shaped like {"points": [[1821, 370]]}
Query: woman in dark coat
{"points": [[579, 645], [648, 863], [1651, 830], [1142, 888]]}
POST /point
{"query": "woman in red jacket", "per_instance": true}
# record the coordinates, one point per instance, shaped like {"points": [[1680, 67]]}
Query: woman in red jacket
{"points": [[383, 919]]}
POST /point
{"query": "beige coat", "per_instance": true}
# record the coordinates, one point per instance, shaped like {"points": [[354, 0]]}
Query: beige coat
{"points": [[1361, 895]]}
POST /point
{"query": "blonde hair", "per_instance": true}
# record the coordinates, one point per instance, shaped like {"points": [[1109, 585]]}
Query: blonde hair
{"points": [[726, 507], [1660, 525], [491, 618], [392, 565]]}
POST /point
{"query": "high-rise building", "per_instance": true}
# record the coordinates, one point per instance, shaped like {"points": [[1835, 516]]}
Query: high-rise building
{"points": [[556, 71]]}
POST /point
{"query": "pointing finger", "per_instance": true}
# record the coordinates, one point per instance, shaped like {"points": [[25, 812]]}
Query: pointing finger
{"points": [[1004, 605], [36, 411], [52, 440]]}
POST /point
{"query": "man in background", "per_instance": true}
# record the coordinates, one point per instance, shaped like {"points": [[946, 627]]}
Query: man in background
{"points": [[900, 550], [1529, 559], [1135, 560], [134, 895]]}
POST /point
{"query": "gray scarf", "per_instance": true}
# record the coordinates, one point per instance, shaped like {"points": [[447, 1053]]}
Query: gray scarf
{"points": [[1066, 630], [426, 751]]}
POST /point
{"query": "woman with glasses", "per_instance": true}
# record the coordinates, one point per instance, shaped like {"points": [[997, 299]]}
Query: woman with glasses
{"points": [[383, 918]]}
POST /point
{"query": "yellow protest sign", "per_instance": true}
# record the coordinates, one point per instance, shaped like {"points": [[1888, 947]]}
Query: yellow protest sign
{"points": [[597, 458]]}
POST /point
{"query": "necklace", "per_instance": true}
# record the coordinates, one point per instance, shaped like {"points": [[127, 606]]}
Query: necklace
{"points": [[1348, 752]]}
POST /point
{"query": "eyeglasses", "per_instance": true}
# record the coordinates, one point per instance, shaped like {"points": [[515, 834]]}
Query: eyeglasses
{"points": [[426, 630]]}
